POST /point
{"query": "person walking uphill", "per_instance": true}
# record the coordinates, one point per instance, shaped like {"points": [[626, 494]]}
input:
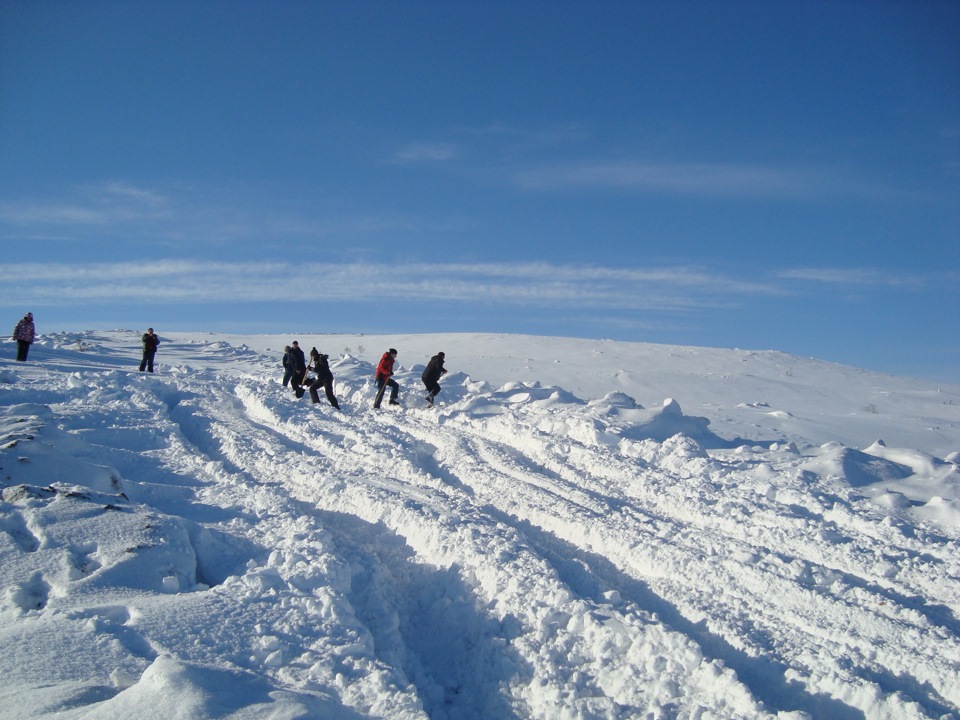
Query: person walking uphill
{"points": [[150, 343], [24, 333], [384, 373], [324, 378], [432, 374]]}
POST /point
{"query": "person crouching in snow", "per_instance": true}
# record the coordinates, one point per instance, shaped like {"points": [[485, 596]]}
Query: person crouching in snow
{"points": [[319, 364], [431, 374], [384, 373]]}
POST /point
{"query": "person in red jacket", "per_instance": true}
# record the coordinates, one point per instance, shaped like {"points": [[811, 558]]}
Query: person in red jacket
{"points": [[384, 372]]}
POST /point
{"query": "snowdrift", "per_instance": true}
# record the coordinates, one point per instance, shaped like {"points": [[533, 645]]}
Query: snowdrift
{"points": [[563, 537]]}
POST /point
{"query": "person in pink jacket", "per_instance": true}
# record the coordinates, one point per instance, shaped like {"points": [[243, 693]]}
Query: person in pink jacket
{"points": [[24, 334]]}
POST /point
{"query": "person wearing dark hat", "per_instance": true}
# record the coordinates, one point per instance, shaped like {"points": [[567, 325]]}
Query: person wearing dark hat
{"points": [[24, 334], [432, 374], [319, 364], [384, 372], [150, 343]]}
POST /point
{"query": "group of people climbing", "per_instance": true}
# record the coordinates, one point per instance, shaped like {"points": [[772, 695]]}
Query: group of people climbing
{"points": [[296, 369]]}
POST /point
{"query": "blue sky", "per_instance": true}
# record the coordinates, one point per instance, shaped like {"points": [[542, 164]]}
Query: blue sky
{"points": [[763, 175]]}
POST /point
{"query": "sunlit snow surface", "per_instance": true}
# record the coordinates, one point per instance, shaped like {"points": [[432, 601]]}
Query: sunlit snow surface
{"points": [[579, 529]]}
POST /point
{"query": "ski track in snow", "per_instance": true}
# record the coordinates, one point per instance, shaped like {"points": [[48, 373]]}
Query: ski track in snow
{"points": [[513, 553]]}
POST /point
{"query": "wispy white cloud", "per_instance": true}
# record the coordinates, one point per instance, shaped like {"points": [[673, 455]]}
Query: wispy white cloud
{"points": [[854, 277], [515, 286], [101, 205], [49, 213], [113, 192], [712, 180], [485, 142], [537, 137], [417, 152], [180, 216]]}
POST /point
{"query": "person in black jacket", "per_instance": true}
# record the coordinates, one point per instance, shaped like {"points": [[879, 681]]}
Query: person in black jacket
{"points": [[298, 363], [150, 343], [319, 364], [432, 374]]}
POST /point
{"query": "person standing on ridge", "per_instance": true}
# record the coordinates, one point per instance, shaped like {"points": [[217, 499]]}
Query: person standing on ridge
{"points": [[324, 378], [150, 343], [384, 373], [24, 333], [432, 374], [299, 364]]}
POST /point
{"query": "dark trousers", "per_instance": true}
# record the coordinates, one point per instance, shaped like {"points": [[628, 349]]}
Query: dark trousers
{"points": [[296, 382], [433, 387], [287, 376], [390, 383], [23, 347], [327, 386], [147, 362]]}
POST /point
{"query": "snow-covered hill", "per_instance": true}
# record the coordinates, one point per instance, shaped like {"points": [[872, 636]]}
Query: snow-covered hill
{"points": [[580, 530]]}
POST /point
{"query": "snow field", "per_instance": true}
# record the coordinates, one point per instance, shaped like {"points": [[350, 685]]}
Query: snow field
{"points": [[201, 543]]}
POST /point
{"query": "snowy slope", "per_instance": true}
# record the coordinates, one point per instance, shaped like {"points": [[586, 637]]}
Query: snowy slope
{"points": [[581, 530]]}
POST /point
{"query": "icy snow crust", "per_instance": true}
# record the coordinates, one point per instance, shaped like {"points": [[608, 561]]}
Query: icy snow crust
{"points": [[200, 544]]}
